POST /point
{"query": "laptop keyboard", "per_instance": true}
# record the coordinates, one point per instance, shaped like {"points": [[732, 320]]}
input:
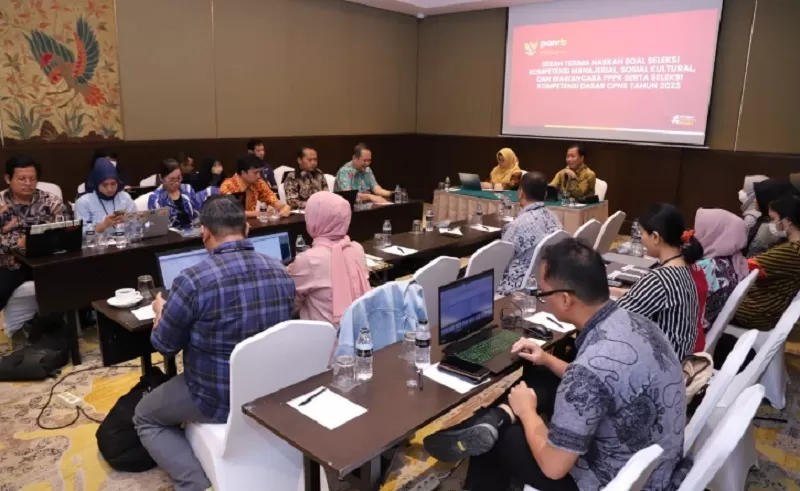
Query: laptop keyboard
{"points": [[484, 351]]}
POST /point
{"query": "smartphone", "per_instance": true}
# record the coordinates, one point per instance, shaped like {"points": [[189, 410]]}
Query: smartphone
{"points": [[627, 279], [120, 212], [464, 368]]}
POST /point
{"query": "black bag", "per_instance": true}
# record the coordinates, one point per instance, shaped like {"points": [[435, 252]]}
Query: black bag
{"points": [[116, 436], [43, 358]]}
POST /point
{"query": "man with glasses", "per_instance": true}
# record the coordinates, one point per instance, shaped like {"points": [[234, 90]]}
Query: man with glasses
{"points": [[623, 392], [21, 207]]}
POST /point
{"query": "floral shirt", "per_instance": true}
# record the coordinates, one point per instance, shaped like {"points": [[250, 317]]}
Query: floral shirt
{"points": [[577, 188], [259, 191], [44, 208], [300, 187], [350, 179]]}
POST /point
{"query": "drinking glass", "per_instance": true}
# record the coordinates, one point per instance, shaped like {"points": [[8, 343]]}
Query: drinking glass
{"points": [[344, 372], [262, 213], [416, 227], [409, 351], [564, 197], [272, 214], [403, 196], [145, 286], [441, 186], [378, 241], [412, 374]]}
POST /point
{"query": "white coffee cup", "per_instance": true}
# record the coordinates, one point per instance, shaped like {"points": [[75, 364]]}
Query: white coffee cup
{"points": [[126, 295]]}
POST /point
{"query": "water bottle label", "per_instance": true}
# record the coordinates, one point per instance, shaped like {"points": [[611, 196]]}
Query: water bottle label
{"points": [[422, 343], [119, 234], [90, 232], [364, 353]]}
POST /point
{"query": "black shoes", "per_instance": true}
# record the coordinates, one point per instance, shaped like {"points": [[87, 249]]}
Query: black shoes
{"points": [[475, 436]]}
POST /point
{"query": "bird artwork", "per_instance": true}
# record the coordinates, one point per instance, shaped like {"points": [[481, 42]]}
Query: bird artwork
{"points": [[59, 63]]}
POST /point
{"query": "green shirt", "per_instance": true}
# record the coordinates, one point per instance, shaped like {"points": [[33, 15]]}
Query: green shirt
{"points": [[350, 179]]}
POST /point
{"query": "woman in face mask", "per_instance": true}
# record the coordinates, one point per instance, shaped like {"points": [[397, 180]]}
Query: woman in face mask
{"points": [[779, 270], [107, 205], [759, 236]]}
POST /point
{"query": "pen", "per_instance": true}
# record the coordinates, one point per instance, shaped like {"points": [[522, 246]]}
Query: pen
{"points": [[312, 396], [419, 380], [551, 319], [400, 249]]}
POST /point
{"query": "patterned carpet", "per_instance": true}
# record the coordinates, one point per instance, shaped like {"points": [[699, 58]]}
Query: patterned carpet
{"points": [[33, 459]]}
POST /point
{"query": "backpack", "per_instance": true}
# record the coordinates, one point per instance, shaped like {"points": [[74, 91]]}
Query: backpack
{"points": [[43, 358], [116, 436]]}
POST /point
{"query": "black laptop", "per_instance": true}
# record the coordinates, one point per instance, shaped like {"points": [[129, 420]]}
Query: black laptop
{"points": [[53, 238], [466, 313], [350, 196]]}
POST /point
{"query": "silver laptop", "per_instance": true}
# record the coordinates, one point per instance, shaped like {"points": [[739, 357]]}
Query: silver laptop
{"points": [[155, 223], [470, 181]]}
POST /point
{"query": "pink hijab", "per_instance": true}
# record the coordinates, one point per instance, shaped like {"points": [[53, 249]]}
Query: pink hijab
{"points": [[327, 221], [722, 234]]}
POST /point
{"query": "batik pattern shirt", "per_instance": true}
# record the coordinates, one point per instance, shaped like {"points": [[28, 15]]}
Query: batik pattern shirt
{"points": [[577, 188], [300, 187], [16, 219]]}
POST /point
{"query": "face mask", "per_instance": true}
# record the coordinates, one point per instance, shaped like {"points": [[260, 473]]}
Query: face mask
{"points": [[742, 196], [773, 228]]}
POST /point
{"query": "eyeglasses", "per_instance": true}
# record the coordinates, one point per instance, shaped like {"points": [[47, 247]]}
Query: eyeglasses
{"points": [[173, 180], [542, 295]]}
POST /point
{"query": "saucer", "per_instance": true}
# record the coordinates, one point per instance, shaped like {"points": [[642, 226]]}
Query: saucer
{"points": [[123, 304]]}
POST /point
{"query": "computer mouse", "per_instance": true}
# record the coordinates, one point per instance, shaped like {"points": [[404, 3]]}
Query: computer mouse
{"points": [[539, 331]]}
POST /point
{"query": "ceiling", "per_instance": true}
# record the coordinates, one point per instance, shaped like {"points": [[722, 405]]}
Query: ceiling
{"points": [[432, 7]]}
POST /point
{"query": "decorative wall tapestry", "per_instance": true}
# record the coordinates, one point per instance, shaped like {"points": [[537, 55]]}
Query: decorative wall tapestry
{"points": [[59, 75]]}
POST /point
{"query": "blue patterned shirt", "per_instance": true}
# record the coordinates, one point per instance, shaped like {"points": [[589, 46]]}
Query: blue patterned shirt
{"points": [[228, 297], [534, 223], [160, 199], [624, 392], [350, 179]]}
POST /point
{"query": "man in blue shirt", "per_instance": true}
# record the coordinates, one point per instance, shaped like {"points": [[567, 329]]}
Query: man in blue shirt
{"points": [[233, 294]]}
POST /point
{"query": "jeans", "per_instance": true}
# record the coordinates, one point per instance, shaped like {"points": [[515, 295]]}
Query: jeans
{"points": [[511, 457], [158, 420]]}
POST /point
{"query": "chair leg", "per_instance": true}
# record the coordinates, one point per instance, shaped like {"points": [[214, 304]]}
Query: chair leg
{"points": [[775, 379]]}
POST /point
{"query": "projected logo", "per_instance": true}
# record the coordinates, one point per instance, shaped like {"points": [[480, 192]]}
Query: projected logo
{"points": [[530, 48], [681, 120]]}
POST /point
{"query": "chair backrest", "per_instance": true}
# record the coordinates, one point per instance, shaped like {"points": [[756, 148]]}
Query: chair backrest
{"points": [[709, 458], [149, 181], [81, 188], [551, 239], [495, 256], [600, 189], [716, 389], [141, 201], [728, 310], [439, 272], [609, 232], [51, 188], [331, 181], [281, 356], [634, 475], [775, 341], [588, 232], [281, 192], [280, 171]]}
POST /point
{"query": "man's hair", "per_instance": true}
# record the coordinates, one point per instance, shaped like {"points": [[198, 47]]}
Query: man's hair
{"points": [[787, 208], [167, 166], [302, 152], [21, 162], [244, 164], [222, 215], [572, 265], [359, 149], [579, 147], [253, 143], [534, 185], [183, 158]]}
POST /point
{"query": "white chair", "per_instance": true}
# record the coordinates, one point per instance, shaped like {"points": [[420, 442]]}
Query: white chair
{"points": [[331, 182], [588, 232], [716, 389], [494, 256], [81, 188], [533, 267], [439, 272], [280, 171], [600, 189], [609, 232], [51, 188], [728, 311], [149, 181], [717, 450], [634, 475], [21, 307], [242, 454], [141, 201]]}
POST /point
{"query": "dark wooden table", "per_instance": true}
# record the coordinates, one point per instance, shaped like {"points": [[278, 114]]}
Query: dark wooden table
{"points": [[123, 337]]}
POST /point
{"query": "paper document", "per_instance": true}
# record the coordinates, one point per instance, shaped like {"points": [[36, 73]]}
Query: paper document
{"points": [[371, 263], [299, 212], [451, 231], [399, 250], [144, 313], [485, 228], [634, 270], [328, 408], [508, 219], [458, 384], [376, 259], [547, 320]]}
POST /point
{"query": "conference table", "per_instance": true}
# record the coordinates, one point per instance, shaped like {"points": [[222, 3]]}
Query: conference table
{"points": [[460, 204], [72, 280]]}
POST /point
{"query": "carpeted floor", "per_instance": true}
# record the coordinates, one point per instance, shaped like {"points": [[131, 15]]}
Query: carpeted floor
{"points": [[34, 459]]}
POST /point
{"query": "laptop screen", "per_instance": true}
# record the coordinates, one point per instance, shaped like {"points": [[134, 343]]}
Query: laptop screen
{"points": [[274, 245], [465, 306]]}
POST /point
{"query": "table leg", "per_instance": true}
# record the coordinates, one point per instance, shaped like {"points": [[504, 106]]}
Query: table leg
{"points": [[371, 473], [311, 470], [147, 364], [72, 337], [170, 366]]}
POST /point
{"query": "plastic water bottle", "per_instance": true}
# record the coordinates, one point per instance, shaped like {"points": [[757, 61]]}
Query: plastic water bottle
{"points": [[299, 245], [479, 215], [429, 220], [387, 233], [637, 249], [398, 194], [90, 235], [422, 340], [120, 236], [447, 183], [262, 213], [364, 355]]}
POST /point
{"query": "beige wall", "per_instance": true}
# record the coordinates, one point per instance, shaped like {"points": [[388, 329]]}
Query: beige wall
{"points": [[239, 68]]}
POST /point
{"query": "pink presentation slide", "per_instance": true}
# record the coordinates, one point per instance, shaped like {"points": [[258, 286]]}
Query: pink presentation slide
{"points": [[649, 73]]}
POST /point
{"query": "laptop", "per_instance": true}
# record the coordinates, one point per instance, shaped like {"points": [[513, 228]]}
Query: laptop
{"points": [[170, 264], [350, 196], [470, 181], [53, 238], [155, 223], [466, 312]]}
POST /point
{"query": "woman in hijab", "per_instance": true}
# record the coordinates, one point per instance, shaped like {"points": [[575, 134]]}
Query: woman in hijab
{"points": [[107, 204], [759, 237], [333, 273], [209, 175], [506, 174], [104, 153], [723, 235]]}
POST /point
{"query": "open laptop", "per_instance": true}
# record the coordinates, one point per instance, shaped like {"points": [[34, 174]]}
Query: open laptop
{"points": [[466, 312], [155, 223], [470, 181], [170, 264], [350, 196]]}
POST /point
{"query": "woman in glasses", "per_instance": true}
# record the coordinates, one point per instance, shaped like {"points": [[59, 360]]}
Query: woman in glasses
{"points": [[179, 198]]}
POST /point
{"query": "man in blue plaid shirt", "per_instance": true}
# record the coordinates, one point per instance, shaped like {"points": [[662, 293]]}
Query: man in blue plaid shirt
{"points": [[233, 294]]}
